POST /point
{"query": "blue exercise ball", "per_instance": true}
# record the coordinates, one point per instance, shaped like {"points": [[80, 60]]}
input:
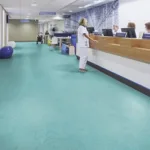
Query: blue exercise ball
{"points": [[6, 52]]}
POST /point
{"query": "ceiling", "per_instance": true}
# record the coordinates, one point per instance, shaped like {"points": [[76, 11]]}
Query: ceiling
{"points": [[22, 9], [80, 5]]}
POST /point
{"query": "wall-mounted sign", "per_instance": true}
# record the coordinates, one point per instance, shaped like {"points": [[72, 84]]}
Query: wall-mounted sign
{"points": [[47, 13], [66, 16], [24, 20]]}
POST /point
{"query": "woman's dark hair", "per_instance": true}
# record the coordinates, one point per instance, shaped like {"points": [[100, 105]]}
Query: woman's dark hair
{"points": [[54, 29], [147, 25], [131, 25]]}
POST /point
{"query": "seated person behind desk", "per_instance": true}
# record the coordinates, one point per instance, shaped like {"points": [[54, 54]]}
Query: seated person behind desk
{"points": [[132, 25], [147, 27], [116, 29], [39, 39]]}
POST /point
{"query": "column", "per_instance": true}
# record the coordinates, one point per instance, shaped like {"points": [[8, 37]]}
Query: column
{"points": [[4, 28], [1, 26]]}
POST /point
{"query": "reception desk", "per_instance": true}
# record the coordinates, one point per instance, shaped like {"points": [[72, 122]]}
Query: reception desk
{"points": [[127, 60], [136, 49]]}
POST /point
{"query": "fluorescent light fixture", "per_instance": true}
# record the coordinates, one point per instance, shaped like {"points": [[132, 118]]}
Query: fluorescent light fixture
{"points": [[24, 20], [88, 5], [70, 10], [98, 1], [27, 17], [80, 7], [34, 4], [94, 3], [57, 17]]}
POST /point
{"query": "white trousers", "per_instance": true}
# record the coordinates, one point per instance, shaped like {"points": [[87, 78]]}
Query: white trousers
{"points": [[83, 57]]}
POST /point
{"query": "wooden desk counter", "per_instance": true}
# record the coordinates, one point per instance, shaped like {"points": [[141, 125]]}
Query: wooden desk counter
{"points": [[136, 49]]}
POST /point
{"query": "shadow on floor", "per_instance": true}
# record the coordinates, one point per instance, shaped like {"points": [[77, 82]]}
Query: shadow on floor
{"points": [[66, 68], [71, 68]]}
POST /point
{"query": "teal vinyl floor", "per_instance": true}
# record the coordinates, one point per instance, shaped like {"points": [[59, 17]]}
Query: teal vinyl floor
{"points": [[46, 104]]}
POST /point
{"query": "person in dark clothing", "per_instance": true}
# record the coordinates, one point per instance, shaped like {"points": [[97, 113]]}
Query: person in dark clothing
{"points": [[46, 33], [39, 39]]}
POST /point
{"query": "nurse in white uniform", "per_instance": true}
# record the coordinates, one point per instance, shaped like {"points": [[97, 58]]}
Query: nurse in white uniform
{"points": [[83, 44]]}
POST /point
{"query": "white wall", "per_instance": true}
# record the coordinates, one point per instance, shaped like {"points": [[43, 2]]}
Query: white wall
{"points": [[135, 11], [23, 31], [7, 33], [1, 12], [45, 27], [41, 28], [3, 28], [60, 25]]}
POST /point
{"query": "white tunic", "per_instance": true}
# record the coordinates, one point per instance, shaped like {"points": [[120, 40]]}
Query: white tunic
{"points": [[82, 40], [83, 44]]}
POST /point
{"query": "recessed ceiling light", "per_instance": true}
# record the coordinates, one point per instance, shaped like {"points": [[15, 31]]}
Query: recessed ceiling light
{"points": [[58, 17], [91, 4], [88, 5], [34, 4], [98, 1], [27, 17]]}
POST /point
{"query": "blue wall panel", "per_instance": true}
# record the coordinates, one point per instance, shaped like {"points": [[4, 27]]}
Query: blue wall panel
{"points": [[99, 17]]}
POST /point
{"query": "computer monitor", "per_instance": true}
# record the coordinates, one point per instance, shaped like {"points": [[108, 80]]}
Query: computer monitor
{"points": [[130, 32], [90, 29], [98, 33], [121, 34], [146, 36], [107, 32]]}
